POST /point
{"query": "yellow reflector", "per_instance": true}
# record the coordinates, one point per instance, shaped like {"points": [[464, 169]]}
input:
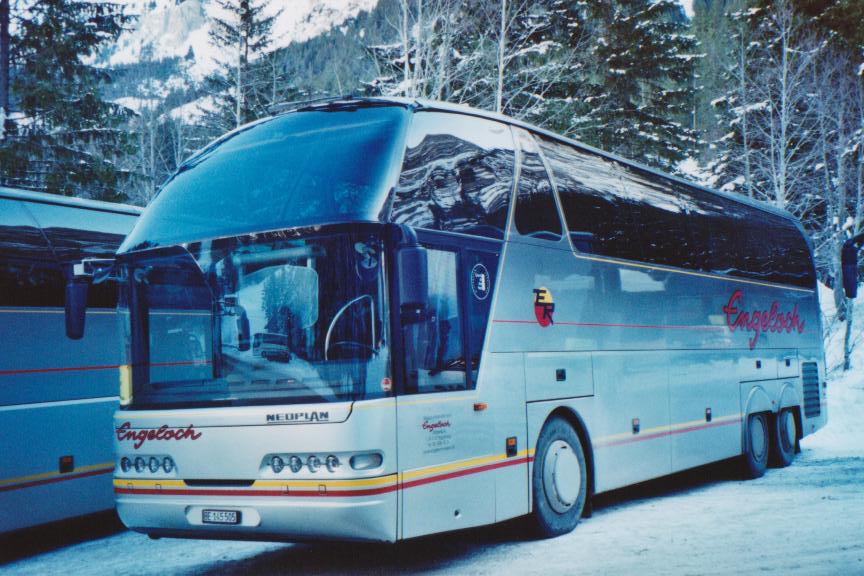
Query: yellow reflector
{"points": [[125, 385]]}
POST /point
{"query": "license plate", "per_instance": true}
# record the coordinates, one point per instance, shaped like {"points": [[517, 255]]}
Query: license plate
{"points": [[220, 517]]}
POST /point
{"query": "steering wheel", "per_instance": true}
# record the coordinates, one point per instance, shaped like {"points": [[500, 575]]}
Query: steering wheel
{"points": [[351, 345]]}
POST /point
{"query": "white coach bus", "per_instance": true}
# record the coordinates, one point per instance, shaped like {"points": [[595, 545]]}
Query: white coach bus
{"points": [[376, 319]]}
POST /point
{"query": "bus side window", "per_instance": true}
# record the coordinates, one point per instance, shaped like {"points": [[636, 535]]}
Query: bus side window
{"points": [[536, 213], [457, 175], [29, 276], [78, 233], [598, 216]]}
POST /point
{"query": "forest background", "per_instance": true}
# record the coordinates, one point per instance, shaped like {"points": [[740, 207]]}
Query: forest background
{"points": [[755, 97]]}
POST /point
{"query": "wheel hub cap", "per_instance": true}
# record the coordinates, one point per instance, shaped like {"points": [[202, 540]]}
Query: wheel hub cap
{"points": [[562, 476]]}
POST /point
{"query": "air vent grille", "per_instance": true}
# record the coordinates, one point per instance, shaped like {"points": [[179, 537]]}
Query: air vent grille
{"points": [[810, 375]]}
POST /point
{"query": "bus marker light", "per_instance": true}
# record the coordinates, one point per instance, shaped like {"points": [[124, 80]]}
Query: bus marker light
{"points": [[366, 461], [635, 425], [295, 463], [512, 449], [277, 464], [332, 463], [313, 462]]}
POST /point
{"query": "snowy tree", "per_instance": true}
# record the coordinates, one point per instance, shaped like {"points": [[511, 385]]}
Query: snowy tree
{"points": [[64, 137], [242, 34], [636, 97]]}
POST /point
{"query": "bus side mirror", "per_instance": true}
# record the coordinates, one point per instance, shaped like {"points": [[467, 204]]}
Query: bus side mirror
{"points": [[89, 270], [413, 283], [849, 262], [76, 306]]}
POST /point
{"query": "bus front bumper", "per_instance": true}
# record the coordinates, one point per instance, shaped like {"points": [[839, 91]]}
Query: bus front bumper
{"points": [[267, 518]]}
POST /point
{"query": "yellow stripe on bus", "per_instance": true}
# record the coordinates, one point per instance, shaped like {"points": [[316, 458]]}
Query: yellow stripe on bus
{"points": [[44, 475], [667, 428], [462, 464]]}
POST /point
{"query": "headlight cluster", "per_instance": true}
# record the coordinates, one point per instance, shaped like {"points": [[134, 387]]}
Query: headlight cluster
{"points": [[331, 462], [152, 464]]}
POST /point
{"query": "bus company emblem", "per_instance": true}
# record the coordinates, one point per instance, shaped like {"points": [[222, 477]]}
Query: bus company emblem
{"points": [[758, 321], [544, 307], [480, 281], [298, 417], [125, 432]]}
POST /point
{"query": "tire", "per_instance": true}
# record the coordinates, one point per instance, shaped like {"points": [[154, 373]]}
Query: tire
{"points": [[784, 438], [559, 480], [757, 441]]}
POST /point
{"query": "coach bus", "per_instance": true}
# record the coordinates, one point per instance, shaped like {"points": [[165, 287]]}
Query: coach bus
{"points": [[57, 396], [466, 319]]}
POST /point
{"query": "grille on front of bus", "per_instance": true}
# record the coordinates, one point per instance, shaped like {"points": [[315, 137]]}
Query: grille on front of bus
{"points": [[810, 375]]}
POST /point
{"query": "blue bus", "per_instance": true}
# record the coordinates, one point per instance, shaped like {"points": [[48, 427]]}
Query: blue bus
{"points": [[57, 395]]}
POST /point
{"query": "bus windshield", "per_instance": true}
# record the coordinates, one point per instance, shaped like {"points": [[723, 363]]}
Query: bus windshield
{"points": [[257, 320], [298, 169]]}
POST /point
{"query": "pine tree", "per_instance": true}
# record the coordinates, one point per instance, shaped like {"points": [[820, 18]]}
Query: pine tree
{"points": [[65, 138], [636, 98], [241, 86]]}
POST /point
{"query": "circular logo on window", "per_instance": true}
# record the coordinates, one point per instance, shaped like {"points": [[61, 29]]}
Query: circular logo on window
{"points": [[480, 281]]}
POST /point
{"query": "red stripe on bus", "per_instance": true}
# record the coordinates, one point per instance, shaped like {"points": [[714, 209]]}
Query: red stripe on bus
{"points": [[327, 493], [63, 369], [55, 479], [307, 493], [88, 368], [601, 325], [466, 472], [638, 438]]}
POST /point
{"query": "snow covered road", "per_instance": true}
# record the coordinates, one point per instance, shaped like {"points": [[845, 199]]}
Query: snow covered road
{"points": [[805, 519]]}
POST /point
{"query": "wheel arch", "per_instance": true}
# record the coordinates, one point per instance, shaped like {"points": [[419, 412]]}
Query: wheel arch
{"points": [[757, 401]]}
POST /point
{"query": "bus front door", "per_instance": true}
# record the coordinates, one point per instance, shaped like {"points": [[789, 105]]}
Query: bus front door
{"points": [[444, 434]]}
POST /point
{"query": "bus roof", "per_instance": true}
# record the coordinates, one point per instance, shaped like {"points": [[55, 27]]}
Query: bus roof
{"points": [[419, 104], [45, 198]]}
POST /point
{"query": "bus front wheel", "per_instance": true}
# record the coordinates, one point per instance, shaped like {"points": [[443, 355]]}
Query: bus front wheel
{"points": [[757, 441], [784, 438], [559, 480]]}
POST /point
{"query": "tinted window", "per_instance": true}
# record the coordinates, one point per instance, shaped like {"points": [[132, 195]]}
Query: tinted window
{"points": [[457, 175], [293, 170], [599, 216], [435, 361], [536, 213], [659, 215], [77, 233], [29, 275], [625, 212]]}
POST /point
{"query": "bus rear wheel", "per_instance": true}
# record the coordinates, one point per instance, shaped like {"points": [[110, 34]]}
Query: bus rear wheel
{"points": [[755, 458], [559, 480], [784, 438]]}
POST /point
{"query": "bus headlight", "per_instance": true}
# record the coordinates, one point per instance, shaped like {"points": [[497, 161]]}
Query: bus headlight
{"points": [[125, 464], [313, 463], [295, 463], [332, 463], [277, 464], [153, 465], [167, 464], [139, 465], [366, 461]]}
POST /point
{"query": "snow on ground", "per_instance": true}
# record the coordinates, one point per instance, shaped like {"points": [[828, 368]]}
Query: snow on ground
{"points": [[805, 519]]}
